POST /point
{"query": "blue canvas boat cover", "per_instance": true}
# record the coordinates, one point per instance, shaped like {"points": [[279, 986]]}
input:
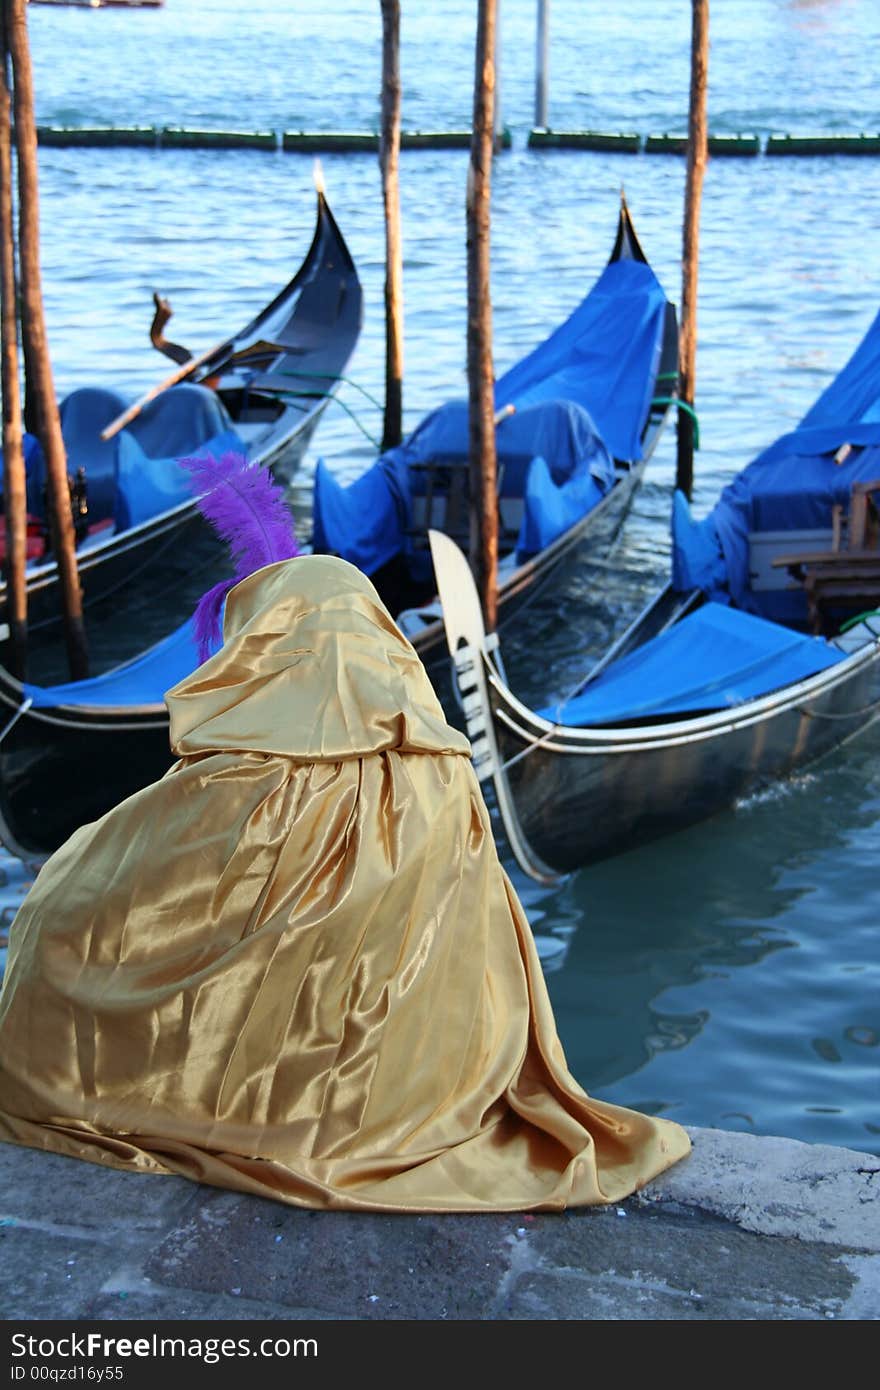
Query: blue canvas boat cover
{"points": [[146, 487], [136, 474], [604, 357], [715, 658], [791, 485], [186, 419], [580, 400], [35, 473], [550, 453], [142, 681]]}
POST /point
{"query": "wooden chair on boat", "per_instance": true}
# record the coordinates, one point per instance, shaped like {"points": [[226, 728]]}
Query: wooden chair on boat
{"points": [[846, 578]]}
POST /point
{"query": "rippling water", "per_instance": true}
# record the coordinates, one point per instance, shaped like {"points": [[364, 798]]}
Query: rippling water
{"points": [[728, 976]]}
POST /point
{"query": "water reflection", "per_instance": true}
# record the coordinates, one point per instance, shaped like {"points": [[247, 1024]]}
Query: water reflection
{"points": [[728, 974]]}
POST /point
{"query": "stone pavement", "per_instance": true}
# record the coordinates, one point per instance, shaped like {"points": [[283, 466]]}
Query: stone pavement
{"points": [[745, 1228]]}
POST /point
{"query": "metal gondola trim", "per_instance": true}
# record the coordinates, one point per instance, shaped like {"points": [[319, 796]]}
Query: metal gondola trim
{"points": [[672, 734], [156, 716]]}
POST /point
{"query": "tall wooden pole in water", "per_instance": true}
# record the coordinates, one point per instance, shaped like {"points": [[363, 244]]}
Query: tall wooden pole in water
{"points": [[35, 343], [389, 160], [541, 51], [697, 153], [14, 482], [481, 376]]}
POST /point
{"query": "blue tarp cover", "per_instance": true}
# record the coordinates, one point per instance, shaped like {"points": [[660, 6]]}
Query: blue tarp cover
{"points": [[791, 485], [35, 470], [146, 487], [581, 399], [604, 357], [715, 658], [550, 452], [142, 681], [135, 475]]}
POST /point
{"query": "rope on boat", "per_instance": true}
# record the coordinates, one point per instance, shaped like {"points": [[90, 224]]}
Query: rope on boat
{"points": [[333, 396], [363, 429], [862, 618], [22, 709], [688, 410], [538, 743], [849, 714], [329, 376]]}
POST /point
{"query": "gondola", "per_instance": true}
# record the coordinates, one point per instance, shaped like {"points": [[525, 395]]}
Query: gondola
{"points": [[759, 655], [262, 391], [577, 421], [588, 408]]}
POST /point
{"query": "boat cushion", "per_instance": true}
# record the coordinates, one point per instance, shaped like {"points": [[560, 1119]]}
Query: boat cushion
{"points": [[551, 507], [35, 475], [372, 519], [84, 413], [581, 399], [179, 420], [791, 485], [715, 658], [361, 522], [146, 487]]}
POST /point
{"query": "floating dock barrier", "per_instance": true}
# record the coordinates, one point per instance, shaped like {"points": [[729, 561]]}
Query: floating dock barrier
{"points": [[81, 135], [718, 144], [823, 144], [178, 137], [327, 141], [440, 139], [170, 137], [359, 141], [353, 141], [626, 142]]}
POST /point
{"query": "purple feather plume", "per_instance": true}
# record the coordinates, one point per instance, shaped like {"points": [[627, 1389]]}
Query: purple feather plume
{"points": [[246, 508]]}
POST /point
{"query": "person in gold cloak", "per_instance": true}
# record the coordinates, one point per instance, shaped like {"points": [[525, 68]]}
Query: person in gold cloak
{"points": [[295, 966]]}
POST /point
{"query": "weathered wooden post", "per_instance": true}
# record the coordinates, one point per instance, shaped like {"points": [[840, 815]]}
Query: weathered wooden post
{"points": [[34, 340], [697, 154], [389, 160], [14, 483], [481, 377], [541, 52]]}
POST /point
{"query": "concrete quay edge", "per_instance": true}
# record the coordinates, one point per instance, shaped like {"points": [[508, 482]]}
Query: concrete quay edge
{"points": [[745, 1228]]}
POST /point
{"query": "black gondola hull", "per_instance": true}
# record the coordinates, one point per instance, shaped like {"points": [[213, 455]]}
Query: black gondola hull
{"points": [[56, 777], [134, 561], [581, 800], [317, 317]]}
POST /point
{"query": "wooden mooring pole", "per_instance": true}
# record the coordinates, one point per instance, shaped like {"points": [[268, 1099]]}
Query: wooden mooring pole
{"points": [[697, 155], [14, 481], [389, 161], [481, 376], [35, 343], [542, 48]]}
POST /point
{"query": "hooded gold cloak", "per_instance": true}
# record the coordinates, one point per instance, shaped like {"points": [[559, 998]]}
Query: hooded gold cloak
{"points": [[295, 966]]}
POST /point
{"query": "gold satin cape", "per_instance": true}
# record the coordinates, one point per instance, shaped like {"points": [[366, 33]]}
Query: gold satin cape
{"points": [[294, 966]]}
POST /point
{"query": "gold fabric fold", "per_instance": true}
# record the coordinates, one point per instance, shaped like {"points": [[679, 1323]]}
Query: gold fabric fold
{"points": [[295, 966]]}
